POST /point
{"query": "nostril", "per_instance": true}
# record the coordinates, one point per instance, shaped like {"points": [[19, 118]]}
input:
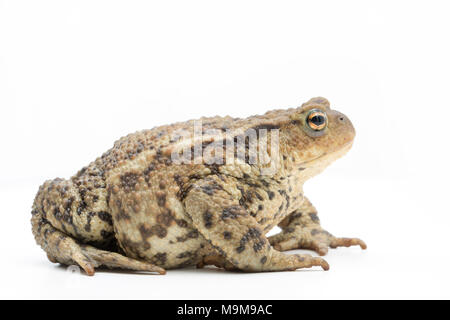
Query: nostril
{"points": [[341, 118]]}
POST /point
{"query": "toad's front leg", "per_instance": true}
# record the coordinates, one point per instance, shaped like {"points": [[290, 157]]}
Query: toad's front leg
{"points": [[302, 230], [234, 233]]}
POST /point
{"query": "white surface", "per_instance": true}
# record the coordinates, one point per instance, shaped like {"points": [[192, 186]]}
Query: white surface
{"points": [[75, 76]]}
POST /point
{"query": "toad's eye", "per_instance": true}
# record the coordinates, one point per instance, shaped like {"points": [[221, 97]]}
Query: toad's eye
{"points": [[317, 120]]}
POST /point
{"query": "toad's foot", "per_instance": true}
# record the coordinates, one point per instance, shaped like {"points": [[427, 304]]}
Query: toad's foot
{"points": [[313, 238], [296, 261], [89, 258]]}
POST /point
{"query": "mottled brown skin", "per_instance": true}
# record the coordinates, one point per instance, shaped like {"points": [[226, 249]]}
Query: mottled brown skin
{"points": [[133, 208]]}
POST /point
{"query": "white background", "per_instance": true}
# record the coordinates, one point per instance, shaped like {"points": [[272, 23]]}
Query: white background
{"points": [[77, 75]]}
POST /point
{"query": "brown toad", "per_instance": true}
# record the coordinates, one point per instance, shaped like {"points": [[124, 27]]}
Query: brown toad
{"points": [[165, 198]]}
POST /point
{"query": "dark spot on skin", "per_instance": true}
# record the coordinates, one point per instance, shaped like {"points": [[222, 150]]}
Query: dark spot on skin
{"points": [[145, 232], [263, 260], [160, 258], [208, 190], [314, 217], [295, 216], [129, 181], [162, 185], [260, 198], [259, 245], [48, 232], [57, 214], [232, 212], [265, 183], [218, 249], [215, 169], [186, 254], [121, 214], [314, 232], [254, 184], [280, 209], [207, 218], [82, 192], [271, 195], [243, 203], [159, 230], [161, 198], [105, 216], [240, 249], [68, 204], [165, 218], [181, 223], [211, 187], [301, 169], [87, 227], [252, 233], [178, 180], [227, 235], [147, 172], [289, 230], [182, 193], [94, 198], [192, 234], [286, 196], [260, 207], [194, 177]]}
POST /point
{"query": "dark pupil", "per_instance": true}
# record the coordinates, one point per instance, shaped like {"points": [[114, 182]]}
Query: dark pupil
{"points": [[318, 120]]}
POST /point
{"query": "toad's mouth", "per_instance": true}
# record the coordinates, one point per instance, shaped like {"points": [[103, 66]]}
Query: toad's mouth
{"points": [[329, 156]]}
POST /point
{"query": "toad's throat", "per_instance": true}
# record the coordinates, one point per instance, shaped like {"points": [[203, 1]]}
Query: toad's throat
{"points": [[329, 156]]}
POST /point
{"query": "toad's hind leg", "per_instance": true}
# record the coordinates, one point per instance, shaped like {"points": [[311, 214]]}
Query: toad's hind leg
{"points": [[62, 245], [65, 250]]}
